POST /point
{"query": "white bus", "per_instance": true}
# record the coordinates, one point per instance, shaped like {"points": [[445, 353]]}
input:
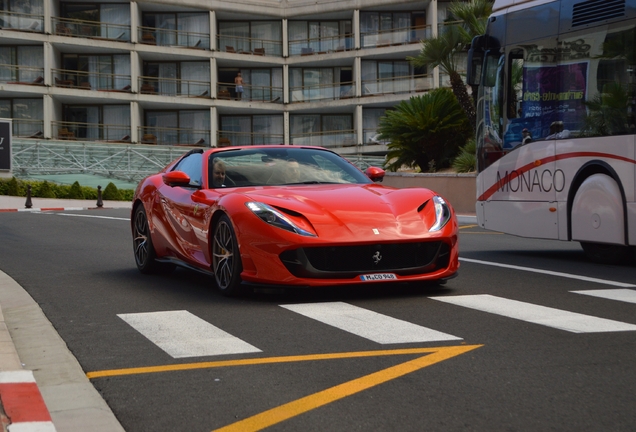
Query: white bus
{"points": [[556, 122]]}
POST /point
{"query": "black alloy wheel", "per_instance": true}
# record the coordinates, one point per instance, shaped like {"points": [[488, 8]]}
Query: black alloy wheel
{"points": [[226, 258], [145, 255]]}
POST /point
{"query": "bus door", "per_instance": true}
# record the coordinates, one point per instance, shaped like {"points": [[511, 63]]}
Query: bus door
{"points": [[518, 182]]}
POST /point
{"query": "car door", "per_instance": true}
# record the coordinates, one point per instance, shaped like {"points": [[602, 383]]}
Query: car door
{"points": [[182, 214]]}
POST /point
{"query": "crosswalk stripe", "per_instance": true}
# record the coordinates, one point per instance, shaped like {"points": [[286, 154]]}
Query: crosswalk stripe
{"points": [[182, 334], [556, 318], [624, 295], [371, 325]]}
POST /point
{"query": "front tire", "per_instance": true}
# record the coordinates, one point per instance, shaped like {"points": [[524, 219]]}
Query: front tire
{"points": [[145, 255], [226, 258], [606, 253]]}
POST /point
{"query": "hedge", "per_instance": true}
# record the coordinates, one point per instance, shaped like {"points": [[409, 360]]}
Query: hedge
{"points": [[45, 189]]}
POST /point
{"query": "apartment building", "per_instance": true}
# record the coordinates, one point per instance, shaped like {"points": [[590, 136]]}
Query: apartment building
{"points": [[162, 72]]}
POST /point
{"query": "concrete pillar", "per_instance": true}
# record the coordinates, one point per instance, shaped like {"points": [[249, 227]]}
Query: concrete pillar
{"points": [[286, 139], [358, 125], [48, 116], [135, 71], [285, 39], [213, 32], [214, 77], [135, 22], [355, 26], [214, 127], [135, 122], [431, 20]]}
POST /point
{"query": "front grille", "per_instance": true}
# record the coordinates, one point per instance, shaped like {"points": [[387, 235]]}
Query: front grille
{"points": [[350, 261], [592, 11]]}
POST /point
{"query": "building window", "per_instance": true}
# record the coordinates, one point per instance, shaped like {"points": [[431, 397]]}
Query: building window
{"points": [[190, 29], [113, 19], [27, 115], [174, 127], [251, 37], [101, 72], [97, 122], [308, 37], [23, 64], [252, 130], [176, 78]]}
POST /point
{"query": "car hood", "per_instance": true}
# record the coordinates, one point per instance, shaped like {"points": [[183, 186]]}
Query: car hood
{"points": [[361, 212]]}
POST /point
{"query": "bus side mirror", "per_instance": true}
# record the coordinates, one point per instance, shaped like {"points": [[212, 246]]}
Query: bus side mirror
{"points": [[475, 66]]}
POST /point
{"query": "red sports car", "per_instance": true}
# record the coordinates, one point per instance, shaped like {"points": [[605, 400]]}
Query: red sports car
{"points": [[289, 216]]}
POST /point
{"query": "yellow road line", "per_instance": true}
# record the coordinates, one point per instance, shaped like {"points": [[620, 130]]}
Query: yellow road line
{"points": [[467, 226], [302, 405], [256, 361]]}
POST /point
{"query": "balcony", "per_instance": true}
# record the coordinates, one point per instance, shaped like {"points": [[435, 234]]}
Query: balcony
{"points": [[370, 137], [16, 74], [176, 38], [340, 138], [173, 87], [91, 29], [321, 45], [174, 136], [397, 36], [90, 80], [250, 46], [27, 128], [251, 93], [341, 90], [90, 132], [21, 21], [395, 85], [234, 138]]}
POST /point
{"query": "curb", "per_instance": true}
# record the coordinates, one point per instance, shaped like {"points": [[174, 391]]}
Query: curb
{"points": [[55, 209], [23, 403]]}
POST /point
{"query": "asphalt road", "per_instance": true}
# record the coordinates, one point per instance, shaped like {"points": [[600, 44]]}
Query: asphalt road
{"points": [[540, 369]]}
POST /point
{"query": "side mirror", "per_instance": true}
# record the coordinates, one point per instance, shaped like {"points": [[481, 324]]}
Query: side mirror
{"points": [[374, 173], [176, 178]]}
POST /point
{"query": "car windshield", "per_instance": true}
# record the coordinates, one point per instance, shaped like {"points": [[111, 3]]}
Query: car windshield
{"points": [[280, 166]]}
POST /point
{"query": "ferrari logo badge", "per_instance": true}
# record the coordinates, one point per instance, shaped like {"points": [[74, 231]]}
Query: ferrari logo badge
{"points": [[196, 209], [376, 257], [376, 231]]}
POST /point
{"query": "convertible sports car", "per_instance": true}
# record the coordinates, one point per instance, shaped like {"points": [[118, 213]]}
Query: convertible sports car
{"points": [[289, 216]]}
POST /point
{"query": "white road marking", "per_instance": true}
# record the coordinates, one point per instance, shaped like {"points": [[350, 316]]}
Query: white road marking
{"points": [[552, 273], [182, 334], [624, 295], [367, 324], [556, 318], [90, 216]]}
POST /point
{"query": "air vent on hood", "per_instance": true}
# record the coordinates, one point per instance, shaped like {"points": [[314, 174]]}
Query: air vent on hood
{"points": [[592, 11]]}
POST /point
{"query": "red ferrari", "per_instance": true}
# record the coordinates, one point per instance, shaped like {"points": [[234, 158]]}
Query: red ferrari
{"points": [[289, 216]]}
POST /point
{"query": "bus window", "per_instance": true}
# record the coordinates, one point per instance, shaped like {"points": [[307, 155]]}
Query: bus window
{"points": [[491, 96], [604, 105]]}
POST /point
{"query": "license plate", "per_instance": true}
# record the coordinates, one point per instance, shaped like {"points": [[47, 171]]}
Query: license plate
{"points": [[378, 277]]}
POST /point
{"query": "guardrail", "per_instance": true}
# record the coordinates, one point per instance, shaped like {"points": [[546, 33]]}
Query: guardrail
{"points": [[16, 74], [232, 138], [174, 87], [72, 131], [250, 93], [21, 21], [91, 29], [340, 138], [174, 136], [402, 84], [340, 90], [397, 36], [245, 45], [321, 45], [90, 80]]}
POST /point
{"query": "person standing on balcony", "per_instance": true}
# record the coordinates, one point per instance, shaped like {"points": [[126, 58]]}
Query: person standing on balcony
{"points": [[238, 81]]}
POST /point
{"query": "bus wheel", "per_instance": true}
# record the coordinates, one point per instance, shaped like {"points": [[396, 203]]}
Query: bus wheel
{"points": [[606, 253]]}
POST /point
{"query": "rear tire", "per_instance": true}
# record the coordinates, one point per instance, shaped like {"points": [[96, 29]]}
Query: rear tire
{"points": [[606, 253], [226, 258], [145, 255]]}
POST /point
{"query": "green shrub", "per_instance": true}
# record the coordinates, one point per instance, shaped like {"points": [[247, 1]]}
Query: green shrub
{"points": [[466, 160], [75, 191], [44, 190], [111, 192], [13, 187]]}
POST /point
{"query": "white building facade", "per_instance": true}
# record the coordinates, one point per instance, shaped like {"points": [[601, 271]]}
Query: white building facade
{"points": [[162, 73]]}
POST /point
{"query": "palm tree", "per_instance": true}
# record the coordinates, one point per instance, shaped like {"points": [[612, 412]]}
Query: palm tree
{"points": [[444, 50], [424, 130]]}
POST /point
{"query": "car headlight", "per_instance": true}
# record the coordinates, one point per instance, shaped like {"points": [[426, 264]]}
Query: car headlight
{"points": [[442, 213], [273, 217]]}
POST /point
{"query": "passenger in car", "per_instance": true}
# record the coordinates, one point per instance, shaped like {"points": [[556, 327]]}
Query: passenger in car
{"points": [[218, 173]]}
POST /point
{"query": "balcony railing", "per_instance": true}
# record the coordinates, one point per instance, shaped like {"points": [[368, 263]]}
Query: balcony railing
{"points": [[174, 136], [233, 138], [341, 90], [27, 128], [398, 36], [245, 45], [21, 21], [174, 87], [168, 37], [321, 45], [90, 80], [16, 74], [90, 132], [251, 93], [404, 84], [91, 29], [340, 138]]}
